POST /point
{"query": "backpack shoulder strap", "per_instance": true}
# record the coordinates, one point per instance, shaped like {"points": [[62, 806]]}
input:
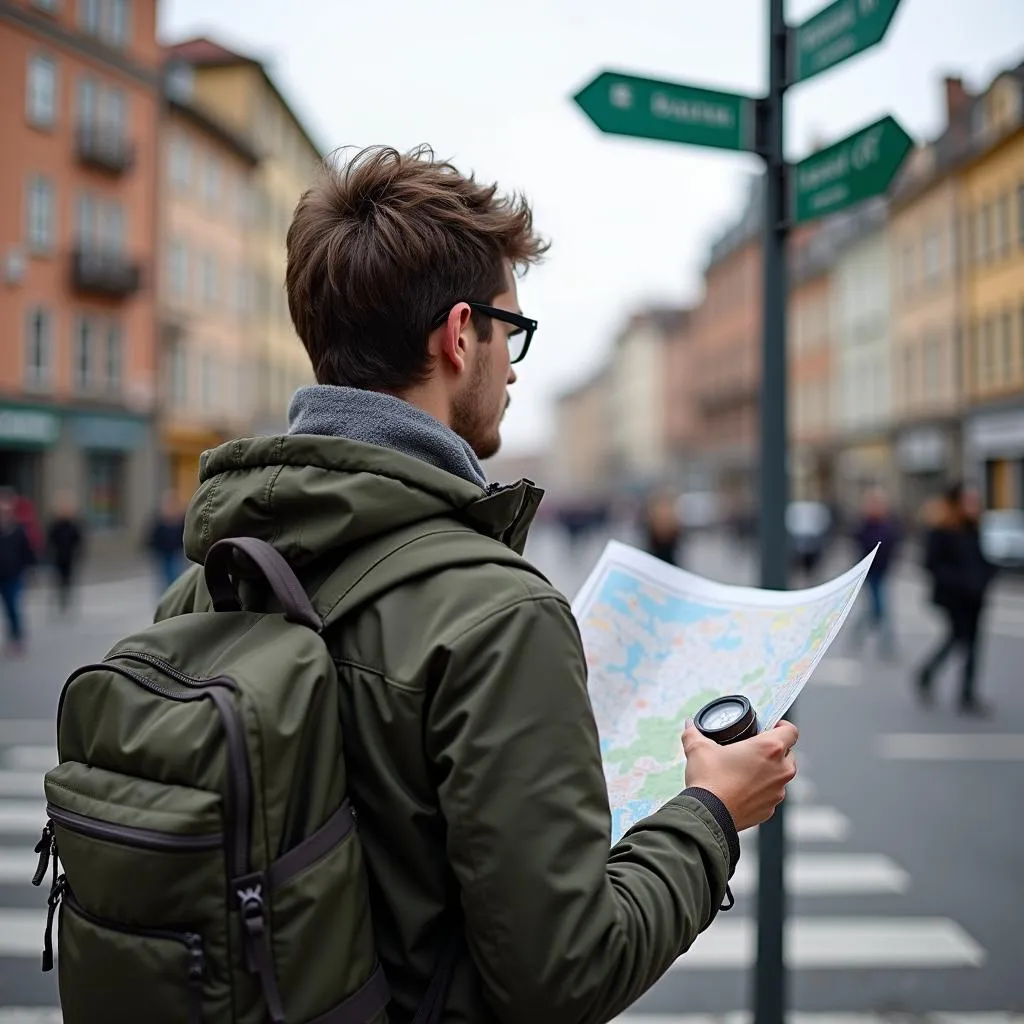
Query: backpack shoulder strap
{"points": [[371, 570]]}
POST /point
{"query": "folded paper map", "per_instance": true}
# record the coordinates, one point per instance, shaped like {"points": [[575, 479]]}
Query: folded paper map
{"points": [[661, 642]]}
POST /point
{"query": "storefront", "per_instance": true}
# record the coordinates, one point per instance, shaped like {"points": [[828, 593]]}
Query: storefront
{"points": [[102, 460], [927, 460], [994, 452], [183, 447]]}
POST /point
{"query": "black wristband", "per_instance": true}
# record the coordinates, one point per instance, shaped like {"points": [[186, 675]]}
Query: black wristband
{"points": [[721, 814]]}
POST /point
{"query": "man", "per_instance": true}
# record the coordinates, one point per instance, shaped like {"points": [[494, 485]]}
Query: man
{"points": [[877, 528], [473, 756], [65, 542], [16, 557]]}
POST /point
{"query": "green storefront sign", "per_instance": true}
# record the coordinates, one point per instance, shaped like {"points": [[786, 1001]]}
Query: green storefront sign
{"points": [[22, 427]]}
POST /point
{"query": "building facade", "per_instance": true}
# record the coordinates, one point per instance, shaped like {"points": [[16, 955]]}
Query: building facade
{"points": [[993, 225], [582, 436], [237, 92], [77, 235], [862, 394], [206, 290], [725, 342]]}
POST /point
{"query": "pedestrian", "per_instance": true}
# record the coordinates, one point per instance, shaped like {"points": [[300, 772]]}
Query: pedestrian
{"points": [[961, 575], [166, 542], [16, 557], [661, 529], [879, 529], [65, 541], [473, 756]]}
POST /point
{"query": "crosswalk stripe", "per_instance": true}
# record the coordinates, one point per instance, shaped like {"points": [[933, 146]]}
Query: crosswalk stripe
{"points": [[797, 1017], [837, 672], [27, 730], [19, 817], [809, 824], [37, 757], [814, 874], [30, 1015], [25, 783], [883, 943], [21, 932], [17, 865], [958, 746]]}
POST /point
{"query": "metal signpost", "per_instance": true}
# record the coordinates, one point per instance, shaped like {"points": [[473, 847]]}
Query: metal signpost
{"points": [[854, 169]]}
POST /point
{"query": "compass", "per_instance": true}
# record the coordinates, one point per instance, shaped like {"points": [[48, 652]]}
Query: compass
{"points": [[727, 719]]}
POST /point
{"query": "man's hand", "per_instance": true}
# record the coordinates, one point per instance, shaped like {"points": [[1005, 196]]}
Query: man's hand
{"points": [[749, 777]]}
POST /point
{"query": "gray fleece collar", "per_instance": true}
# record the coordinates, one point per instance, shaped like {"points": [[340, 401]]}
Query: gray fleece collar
{"points": [[384, 420]]}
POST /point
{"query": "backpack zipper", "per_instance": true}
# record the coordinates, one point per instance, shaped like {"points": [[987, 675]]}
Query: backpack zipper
{"points": [[128, 835], [192, 941]]}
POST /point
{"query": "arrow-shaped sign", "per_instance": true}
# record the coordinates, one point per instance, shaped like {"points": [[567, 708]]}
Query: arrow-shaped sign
{"points": [[840, 31], [857, 168], [673, 112]]}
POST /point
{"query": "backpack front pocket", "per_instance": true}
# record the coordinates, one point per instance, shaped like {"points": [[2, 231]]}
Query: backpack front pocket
{"points": [[135, 974], [322, 935]]}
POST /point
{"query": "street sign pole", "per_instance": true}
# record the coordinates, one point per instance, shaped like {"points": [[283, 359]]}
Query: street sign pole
{"points": [[770, 969]]}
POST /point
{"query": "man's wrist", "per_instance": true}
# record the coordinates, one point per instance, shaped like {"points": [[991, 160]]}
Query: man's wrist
{"points": [[717, 809]]}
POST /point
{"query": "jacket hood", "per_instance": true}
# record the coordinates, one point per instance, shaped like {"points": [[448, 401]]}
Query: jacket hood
{"points": [[307, 495]]}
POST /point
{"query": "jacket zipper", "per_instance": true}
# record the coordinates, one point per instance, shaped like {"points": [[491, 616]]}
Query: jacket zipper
{"points": [[192, 941], [141, 838], [248, 886]]}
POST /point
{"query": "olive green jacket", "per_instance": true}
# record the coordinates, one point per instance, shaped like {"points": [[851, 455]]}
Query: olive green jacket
{"points": [[472, 748]]}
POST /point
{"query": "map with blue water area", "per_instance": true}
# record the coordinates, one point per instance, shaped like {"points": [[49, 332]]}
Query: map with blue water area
{"points": [[661, 642]]}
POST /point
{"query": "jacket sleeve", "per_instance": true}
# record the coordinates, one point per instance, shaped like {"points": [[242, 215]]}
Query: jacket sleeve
{"points": [[562, 927]]}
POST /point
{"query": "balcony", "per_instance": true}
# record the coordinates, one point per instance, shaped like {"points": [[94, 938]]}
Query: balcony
{"points": [[96, 271], [105, 148]]}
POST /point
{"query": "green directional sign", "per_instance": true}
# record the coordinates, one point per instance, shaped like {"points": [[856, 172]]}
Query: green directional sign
{"points": [[861, 166], [648, 109], [838, 32]]}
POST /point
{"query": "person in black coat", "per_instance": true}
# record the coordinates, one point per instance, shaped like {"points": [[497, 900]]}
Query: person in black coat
{"points": [[16, 557], [65, 540], [961, 575]]}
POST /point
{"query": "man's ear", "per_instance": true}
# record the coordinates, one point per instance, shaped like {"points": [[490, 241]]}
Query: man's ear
{"points": [[455, 337]]}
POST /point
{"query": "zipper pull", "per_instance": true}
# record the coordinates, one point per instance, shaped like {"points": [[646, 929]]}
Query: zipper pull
{"points": [[44, 848], [56, 894], [196, 959]]}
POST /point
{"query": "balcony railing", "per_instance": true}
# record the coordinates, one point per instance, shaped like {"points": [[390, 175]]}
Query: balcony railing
{"points": [[106, 148], [104, 272]]}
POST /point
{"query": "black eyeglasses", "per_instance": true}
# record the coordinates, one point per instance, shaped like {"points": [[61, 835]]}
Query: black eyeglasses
{"points": [[518, 340]]}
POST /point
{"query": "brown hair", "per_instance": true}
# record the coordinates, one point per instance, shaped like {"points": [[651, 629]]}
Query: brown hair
{"points": [[380, 247]]}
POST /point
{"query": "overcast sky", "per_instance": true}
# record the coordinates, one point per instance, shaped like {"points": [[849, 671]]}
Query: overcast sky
{"points": [[489, 85]]}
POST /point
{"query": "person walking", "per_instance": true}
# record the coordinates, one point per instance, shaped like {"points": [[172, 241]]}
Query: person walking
{"points": [[661, 528], [16, 557], [472, 751], [166, 542], [65, 542], [879, 529], [961, 575]]}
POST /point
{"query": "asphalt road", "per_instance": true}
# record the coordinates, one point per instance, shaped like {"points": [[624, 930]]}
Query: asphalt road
{"points": [[906, 840]]}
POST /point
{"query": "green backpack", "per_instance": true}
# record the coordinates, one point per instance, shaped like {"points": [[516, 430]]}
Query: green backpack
{"points": [[212, 869]]}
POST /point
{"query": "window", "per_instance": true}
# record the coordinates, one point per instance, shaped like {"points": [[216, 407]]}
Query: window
{"points": [[909, 369], [100, 224], [178, 362], [40, 209], [981, 236], [118, 22], [932, 366], [89, 16], [242, 292], [38, 349], [114, 111], [208, 382], [1006, 330], [177, 270], [104, 489], [41, 92], [115, 357], [180, 159], [908, 269], [208, 271], [932, 257], [86, 102], [1020, 215], [85, 355], [991, 366], [1001, 245], [211, 182]]}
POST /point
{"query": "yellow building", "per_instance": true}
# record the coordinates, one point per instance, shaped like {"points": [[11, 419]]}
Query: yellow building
{"points": [[238, 92], [992, 229]]}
